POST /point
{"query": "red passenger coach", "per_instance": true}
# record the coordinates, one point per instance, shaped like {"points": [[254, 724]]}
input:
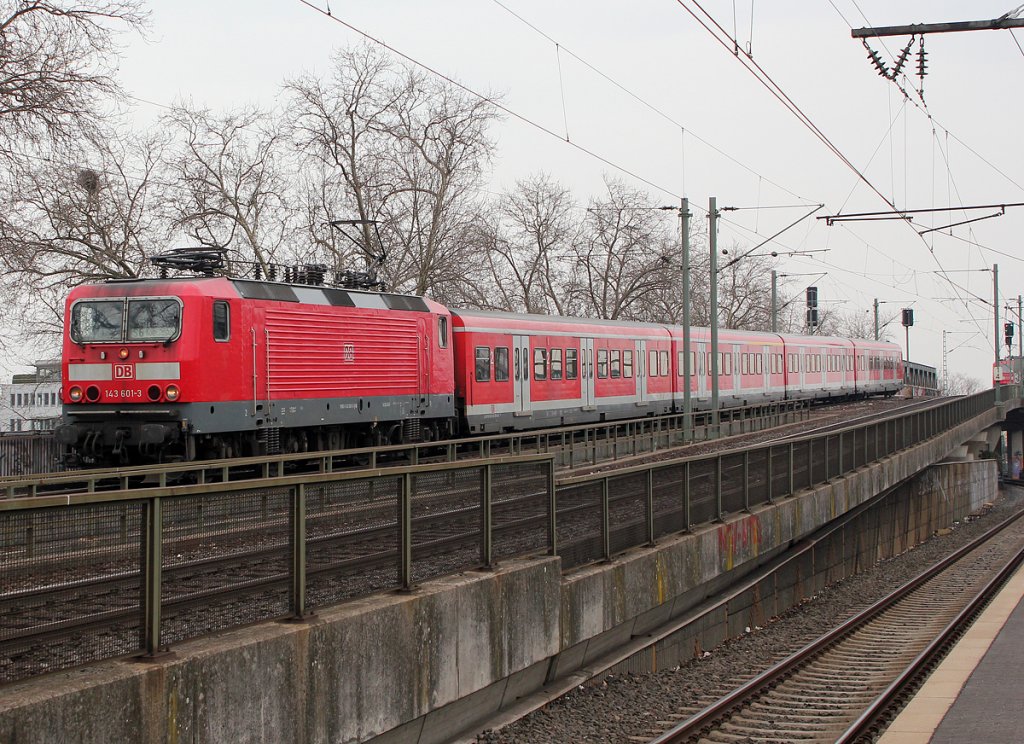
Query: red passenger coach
{"points": [[522, 371], [185, 368], [879, 367]]}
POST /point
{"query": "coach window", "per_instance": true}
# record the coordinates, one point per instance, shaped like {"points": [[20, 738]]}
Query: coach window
{"points": [[602, 363], [663, 359], [758, 364], [483, 364], [556, 364], [627, 363], [744, 364], [540, 364], [501, 364], [615, 366], [571, 368], [221, 321]]}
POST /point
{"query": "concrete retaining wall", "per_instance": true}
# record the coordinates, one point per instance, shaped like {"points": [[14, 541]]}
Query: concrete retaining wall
{"points": [[419, 667]]}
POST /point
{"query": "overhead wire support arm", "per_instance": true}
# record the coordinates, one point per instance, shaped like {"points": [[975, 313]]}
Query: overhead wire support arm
{"points": [[901, 214], [996, 24], [1000, 213]]}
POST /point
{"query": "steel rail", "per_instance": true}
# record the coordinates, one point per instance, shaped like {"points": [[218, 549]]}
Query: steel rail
{"points": [[935, 649], [692, 727], [921, 405]]}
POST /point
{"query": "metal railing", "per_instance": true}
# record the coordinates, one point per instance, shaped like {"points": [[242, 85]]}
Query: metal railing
{"points": [[634, 506], [22, 454], [94, 576], [571, 446]]}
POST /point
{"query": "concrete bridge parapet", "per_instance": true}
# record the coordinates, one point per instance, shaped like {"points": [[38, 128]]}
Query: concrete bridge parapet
{"points": [[420, 667]]}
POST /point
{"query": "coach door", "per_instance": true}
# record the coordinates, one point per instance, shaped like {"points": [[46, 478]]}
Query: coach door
{"points": [[522, 365], [587, 395], [641, 371]]}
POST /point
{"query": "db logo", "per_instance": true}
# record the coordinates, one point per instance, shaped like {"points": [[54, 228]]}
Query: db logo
{"points": [[124, 372]]}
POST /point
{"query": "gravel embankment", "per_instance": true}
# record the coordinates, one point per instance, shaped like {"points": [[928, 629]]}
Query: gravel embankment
{"points": [[625, 706]]}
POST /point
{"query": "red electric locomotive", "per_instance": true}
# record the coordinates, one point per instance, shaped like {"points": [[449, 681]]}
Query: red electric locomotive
{"points": [[215, 367]]}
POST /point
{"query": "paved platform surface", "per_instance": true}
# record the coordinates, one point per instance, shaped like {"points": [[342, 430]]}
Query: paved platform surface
{"points": [[977, 694]]}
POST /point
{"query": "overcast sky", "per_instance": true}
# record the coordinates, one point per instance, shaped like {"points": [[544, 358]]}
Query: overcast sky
{"points": [[717, 131]]}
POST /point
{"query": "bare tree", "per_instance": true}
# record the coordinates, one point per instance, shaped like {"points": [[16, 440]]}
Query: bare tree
{"points": [[404, 151], [80, 216], [745, 291], [961, 384], [833, 321], [56, 60], [618, 256], [232, 191], [68, 222], [528, 243]]}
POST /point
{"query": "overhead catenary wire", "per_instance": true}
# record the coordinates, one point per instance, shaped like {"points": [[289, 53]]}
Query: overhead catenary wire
{"points": [[492, 100], [643, 101]]}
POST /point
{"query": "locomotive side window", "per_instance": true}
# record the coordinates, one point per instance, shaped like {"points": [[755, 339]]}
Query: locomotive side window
{"points": [[571, 364], [97, 321], [556, 364], [221, 321], [540, 364], [501, 364], [442, 332], [483, 364], [153, 320]]}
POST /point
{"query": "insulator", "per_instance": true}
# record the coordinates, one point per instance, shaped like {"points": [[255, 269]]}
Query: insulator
{"points": [[876, 61], [272, 272], [879, 64], [902, 58], [922, 60], [257, 271]]}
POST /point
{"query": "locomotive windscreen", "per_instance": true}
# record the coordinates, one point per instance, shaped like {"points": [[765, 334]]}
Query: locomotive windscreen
{"points": [[153, 320], [103, 321], [97, 321]]}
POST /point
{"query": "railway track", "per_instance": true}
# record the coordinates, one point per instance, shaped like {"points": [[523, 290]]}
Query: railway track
{"points": [[842, 686], [842, 424]]}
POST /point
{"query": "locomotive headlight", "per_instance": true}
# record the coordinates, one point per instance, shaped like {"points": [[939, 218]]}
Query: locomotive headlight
{"points": [[75, 394], [123, 353], [172, 393]]}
